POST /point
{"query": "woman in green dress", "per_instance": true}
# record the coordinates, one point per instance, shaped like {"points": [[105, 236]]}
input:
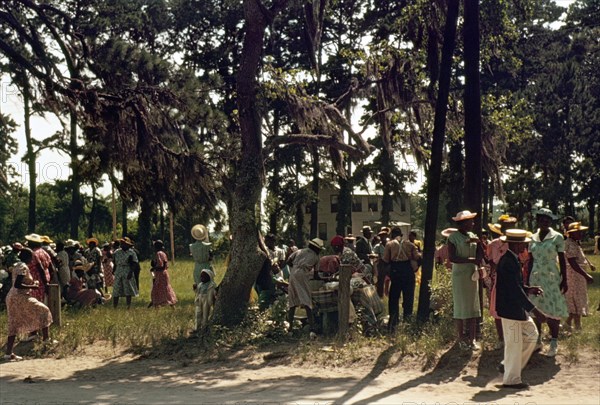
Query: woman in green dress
{"points": [[465, 254], [546, 246], [200, 251]]}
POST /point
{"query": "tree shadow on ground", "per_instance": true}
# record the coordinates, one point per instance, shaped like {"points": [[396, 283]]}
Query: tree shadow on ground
{"points": [[539, 370], [448, 368]]}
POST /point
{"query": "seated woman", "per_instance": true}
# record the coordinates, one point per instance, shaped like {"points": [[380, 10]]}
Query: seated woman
{"points": [[76, 293]]}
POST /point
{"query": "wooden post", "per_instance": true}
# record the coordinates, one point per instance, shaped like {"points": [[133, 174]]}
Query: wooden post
{"points": [[54, 303], [344, 299], [171, 235]]}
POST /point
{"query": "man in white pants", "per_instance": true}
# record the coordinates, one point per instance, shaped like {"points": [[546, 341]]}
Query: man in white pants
{"points": [[513, 307]]}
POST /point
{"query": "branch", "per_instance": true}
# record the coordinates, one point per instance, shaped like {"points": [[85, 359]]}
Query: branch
{"points": [[315, 140]]}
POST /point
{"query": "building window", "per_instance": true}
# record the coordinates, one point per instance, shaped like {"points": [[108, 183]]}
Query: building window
{"points": [[373, 204], [323, 230], [334, 203], [357, 204]]}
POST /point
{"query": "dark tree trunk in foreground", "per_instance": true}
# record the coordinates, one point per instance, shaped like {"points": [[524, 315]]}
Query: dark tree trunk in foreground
{"points": [[144, 229], [246, 256], [314, 203], [435, 167], [30, 157], [75, 179], [591, 206], [473, 142], [124, 218], [92, 217], [344, 206]]}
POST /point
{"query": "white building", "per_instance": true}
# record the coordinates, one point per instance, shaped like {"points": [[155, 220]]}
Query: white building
{"points": [[366, 210]]}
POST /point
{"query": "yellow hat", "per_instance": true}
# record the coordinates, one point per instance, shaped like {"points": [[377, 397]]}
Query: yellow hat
{"points": [[576, 227], [199, 232]]}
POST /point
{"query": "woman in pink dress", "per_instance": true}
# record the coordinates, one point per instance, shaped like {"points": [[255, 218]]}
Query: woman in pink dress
{"points": [[26, 315], [107, 266], [162, 292], [577, 277]]}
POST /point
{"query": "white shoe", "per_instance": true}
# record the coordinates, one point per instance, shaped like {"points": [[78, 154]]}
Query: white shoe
{"points": [[12, 357], [553, 351]]}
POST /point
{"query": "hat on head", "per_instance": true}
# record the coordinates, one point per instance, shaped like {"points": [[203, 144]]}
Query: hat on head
{"points": [[34, 237], [126, 241], [383, 232], [546, 212], [337, 240], [367, 228], [317, 243], [448, 231], [464, 215], [199, 232], [70, 243], [17, 246], [576, 227], [516, 235], [46, 239], [88, 240], [349, 238]]}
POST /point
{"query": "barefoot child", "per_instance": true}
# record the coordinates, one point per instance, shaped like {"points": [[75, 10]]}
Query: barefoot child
{"points": [[206, 293]]}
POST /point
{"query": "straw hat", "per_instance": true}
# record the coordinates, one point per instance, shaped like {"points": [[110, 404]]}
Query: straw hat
{"points": [[383, 233], [502, 219], [367, 228], [199, 232], [576, 227], [448, 231], [70, 243], [545, 212], [464, 215], [88, 240], [349, 238], [46, 239], [126, 241], [516, 235], [34, 237], [317, 243]]}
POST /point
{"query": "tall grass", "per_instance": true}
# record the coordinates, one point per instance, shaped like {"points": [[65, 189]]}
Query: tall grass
{"points": [[166, 332]]}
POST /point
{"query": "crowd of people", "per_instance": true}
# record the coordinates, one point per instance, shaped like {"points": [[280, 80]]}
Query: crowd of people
{"points": [[542, 273]]}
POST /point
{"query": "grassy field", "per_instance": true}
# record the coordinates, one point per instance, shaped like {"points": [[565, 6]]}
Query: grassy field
{"points": [[166, 332]]}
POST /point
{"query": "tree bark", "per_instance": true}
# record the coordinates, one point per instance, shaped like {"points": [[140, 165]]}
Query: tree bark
{"points": [[314, 204], [457, 178], [92, 218], [435, 167], [30, 157], [75, 179], [246, 256], [591, 206], [344, 214], [124, 229], [473, 141]]}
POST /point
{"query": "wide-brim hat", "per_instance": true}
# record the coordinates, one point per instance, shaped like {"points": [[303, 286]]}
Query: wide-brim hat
{"points": [[496, 228], [516, 236], [199, 232], [70, 243], [79, 265], [383, 233], [367, 228], [448, 231], [46, 239], [126, 241], [464, 215], [34, 237], [576, 227], [317, 243], [546, 212], [349, 238], [88, 240]]}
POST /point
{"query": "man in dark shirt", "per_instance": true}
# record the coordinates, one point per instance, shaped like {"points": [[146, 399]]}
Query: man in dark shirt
{"points": [[513, 307]]}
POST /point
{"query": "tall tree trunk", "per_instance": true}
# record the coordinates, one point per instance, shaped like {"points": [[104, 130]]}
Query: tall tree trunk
{"points": [[435, 167], [92, 218], [387, 201], [473, 141], [485, 198], [344, 214], [162, 221], [314, 204], [144, 228], [299, 204], [75, 178], [246, 256], [30, 157], [591, 206], [457, 178], [124, 217]]}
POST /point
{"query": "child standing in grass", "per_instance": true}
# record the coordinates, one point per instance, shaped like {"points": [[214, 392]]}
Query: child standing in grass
{"points": [[206, 293]]}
